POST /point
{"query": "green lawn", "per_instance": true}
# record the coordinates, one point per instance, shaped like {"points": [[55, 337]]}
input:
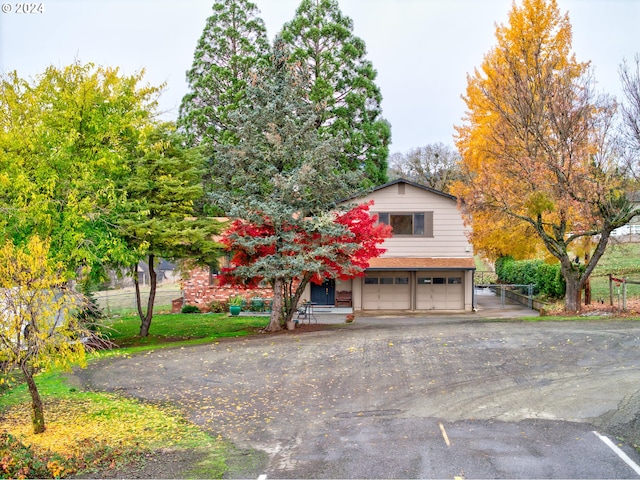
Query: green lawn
{"points": [[622, 261], [88, 430], [181, 328]]}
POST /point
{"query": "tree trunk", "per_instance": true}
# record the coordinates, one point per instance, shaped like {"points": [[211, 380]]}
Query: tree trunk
{"points": [[572, 300], [37, 413], [276, 306], [145, 323]]}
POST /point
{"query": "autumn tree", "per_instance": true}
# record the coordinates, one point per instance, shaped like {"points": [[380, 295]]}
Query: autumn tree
{"points": [[281, 181], [233, 45], [65, 137], [535, 143], [435, 165], [37, 328], [341, 84], [334, 245], [158, 218]]}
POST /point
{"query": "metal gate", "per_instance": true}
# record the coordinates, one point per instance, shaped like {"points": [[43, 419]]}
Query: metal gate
{"points": [[505, 291]]}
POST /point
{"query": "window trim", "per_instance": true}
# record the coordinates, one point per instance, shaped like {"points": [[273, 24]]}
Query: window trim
{"points": [[385, 218]]}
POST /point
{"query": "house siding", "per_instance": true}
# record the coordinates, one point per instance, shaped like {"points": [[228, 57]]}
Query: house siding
{"points": [[449, 232]]}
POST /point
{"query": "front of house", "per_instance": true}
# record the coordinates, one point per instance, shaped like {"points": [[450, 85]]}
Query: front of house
{"points": [[428, 264]]}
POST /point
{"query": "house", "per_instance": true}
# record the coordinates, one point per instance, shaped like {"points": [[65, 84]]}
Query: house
{"points": [[428, 264]]}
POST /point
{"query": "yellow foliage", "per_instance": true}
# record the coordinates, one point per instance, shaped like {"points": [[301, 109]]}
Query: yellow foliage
{"points": [[36, 325], [529, 138], [77, 425]]}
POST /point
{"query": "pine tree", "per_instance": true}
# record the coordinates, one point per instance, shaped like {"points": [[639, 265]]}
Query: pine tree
{"points": [[158, 221], [281, 177], [232, 47], [341, 84]]}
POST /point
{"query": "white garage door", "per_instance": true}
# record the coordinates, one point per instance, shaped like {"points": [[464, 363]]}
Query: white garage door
{"points": [[386, 291], [439, 291]]}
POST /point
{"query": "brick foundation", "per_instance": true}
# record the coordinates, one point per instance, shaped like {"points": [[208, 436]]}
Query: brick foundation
{"points": [[198, 290]]}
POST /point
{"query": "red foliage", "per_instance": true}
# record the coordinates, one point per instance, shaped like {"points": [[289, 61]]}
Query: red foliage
{"points": [[348, 254]]}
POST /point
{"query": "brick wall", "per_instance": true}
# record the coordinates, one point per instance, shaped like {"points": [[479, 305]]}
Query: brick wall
{"points": [[198, 291]]}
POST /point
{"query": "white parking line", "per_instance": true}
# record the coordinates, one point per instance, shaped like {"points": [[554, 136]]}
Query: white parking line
{"points": [[444, 435], [618, 452]]}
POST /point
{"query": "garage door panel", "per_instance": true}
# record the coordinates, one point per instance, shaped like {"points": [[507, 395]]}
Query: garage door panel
{"points": [[439, 291], [386, 291]]}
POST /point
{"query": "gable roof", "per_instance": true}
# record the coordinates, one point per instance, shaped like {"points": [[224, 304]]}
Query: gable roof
{"points": [[414, 184], [395, 182]]}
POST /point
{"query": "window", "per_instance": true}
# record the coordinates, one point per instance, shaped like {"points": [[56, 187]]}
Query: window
{"points": [[386, 281], [455, 280], [402, 281], [423, 280], [439, 280], [416, 223], [370, 280]]}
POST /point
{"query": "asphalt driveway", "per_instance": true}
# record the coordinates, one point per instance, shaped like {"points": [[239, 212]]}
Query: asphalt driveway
{"points": [[431, 397]]}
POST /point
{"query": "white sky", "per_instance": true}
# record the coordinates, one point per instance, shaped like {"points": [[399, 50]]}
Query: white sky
{"points": [[422, 49]]}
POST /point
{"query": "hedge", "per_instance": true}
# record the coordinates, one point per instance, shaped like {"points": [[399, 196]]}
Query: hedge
{"points": [[547, 279]]}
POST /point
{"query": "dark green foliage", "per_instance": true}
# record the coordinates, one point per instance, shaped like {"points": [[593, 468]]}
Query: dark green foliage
{"points": [[233, 46], [283, 174], [341, 85], [546, 278], [90, 314], [159, 220], [190, 309]]}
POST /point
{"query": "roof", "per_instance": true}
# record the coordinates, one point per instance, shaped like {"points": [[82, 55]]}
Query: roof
{"points": [[394, 182], [417, 185], [405, 263]]}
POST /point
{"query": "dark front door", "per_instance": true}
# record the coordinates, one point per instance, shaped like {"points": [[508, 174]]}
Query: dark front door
{"points": [[324, 294]]}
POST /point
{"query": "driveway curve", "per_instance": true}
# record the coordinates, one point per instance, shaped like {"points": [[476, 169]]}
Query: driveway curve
{"points": [[408, 397]]}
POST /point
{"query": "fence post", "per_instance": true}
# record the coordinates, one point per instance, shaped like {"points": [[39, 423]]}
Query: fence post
{"points": [[531, 296], [624, 294]]}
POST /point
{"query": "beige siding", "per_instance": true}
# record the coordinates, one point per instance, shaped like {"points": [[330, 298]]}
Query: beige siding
{"points": [[449, 239]]}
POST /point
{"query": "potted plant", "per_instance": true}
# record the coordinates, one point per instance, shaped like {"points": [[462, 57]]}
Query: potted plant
{"points": [[235, 304]]}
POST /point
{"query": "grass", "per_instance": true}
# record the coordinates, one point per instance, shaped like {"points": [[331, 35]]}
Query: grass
{"points": [[620, 260], [99, 431], [182, 329], [88, 431]]}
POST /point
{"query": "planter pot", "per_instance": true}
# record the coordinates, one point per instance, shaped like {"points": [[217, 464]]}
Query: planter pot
{"points": [[235, 310], [291, 325]]}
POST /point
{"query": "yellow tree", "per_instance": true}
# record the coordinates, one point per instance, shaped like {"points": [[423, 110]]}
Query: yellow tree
{"points": [[37, 329], [535, 145]]}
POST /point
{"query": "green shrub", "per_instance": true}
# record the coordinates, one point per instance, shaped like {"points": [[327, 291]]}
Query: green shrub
{"points": [[547, 278], [257, 304], [219, 306], [190, 309]]}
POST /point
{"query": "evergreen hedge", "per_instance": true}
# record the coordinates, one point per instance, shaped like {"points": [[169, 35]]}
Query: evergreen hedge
{"points": [[546, 278]]}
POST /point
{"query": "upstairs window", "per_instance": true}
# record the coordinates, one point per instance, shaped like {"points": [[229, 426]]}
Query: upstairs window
{"points": [[419, 224]]}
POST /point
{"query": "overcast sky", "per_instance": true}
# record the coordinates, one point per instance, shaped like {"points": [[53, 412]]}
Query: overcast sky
{"points": [[421, 49]]}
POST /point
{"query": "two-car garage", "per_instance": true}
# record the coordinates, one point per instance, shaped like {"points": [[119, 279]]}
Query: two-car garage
{"points": [[419, 288], [413, 290]]}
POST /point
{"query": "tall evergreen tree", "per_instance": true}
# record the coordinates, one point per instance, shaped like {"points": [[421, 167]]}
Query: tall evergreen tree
{"points": [[158, 220], [341, 84], [283, 176], [232, 46]]}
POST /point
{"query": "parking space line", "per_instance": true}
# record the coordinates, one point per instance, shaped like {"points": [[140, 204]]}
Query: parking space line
{"points": [[444, 435], [618, 452]]}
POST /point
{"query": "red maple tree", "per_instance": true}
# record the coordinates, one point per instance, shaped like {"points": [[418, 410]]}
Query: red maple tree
{"points": [[288, 256]]}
